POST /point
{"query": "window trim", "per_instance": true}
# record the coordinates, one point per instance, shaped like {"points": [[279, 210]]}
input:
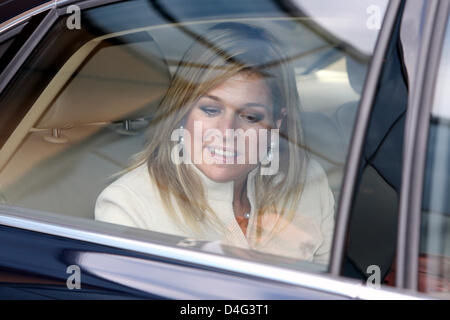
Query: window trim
{"points": [[56, 9], [416, 140], [23, 53], [25, 16], [358, 136], [14, 31], [114, 236]]}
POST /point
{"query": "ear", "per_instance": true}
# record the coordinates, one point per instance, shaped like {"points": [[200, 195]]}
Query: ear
{"points": [[280, 119]]}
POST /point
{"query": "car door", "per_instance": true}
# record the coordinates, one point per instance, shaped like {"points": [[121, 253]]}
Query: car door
{"points": [[406, 240], [425, 261], [75, 102]]}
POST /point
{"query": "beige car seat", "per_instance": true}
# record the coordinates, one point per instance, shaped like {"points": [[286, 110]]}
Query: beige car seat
{"points": [[92, 127]]}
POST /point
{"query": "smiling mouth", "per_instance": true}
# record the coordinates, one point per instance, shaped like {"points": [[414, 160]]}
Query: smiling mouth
{"points": [[221, 152]]}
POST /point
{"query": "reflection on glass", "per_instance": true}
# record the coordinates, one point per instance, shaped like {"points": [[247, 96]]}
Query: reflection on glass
{"points": [[238, 182], [228, 124]]}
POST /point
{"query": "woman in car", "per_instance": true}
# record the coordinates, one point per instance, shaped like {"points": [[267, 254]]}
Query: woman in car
{"points": [[225, 159]]}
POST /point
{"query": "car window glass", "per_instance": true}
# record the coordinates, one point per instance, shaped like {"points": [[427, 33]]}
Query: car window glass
{"points": [[434, 259], [105, 120]]}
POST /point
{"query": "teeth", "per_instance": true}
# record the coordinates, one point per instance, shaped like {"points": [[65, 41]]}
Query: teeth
{"points": [[221, 152]]}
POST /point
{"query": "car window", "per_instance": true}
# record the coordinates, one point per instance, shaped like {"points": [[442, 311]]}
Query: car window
{"points": [[106, 118], [434, 259]]}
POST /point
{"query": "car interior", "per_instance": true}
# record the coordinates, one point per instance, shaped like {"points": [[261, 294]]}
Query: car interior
{"points": [[85, 126], [75, 137]]}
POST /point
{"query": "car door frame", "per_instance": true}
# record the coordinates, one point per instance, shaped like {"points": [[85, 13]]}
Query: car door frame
{"points": [[358, 137], [416, 139]]}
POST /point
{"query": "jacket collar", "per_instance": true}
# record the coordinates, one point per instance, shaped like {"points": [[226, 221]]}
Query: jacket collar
{"points": [[224, 191], [220, 198]]}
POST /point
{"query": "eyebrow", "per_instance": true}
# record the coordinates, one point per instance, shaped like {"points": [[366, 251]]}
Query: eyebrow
{"points": [[249, 104]]}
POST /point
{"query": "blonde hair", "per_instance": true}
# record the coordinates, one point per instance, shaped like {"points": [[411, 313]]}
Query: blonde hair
{"points": [[225, 50]]}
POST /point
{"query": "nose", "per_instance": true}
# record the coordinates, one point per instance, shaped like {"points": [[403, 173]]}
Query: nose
{"points": [[227, 123]]}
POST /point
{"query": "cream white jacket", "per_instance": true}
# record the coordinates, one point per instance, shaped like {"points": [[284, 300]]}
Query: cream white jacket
{"points": [[134, 201]]}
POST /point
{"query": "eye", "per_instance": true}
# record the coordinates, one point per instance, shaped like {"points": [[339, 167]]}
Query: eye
{"points": [[210, 111], [252, 117]]}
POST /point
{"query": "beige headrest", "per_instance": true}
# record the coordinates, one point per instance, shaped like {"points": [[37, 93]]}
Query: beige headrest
{"points": [[115, 82]]}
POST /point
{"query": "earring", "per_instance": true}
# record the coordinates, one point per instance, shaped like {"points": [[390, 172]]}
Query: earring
{"points": [[181, 140], [180, 152], [270, 152]]}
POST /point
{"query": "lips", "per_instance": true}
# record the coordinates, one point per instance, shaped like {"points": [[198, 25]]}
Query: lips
{"points": [[222, 155], [221, 152]]}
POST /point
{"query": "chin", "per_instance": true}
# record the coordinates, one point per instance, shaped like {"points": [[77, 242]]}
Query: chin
{"points": [[224, 173]]}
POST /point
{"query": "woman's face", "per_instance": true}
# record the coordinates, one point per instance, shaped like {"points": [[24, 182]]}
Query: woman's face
{"points": [[240, 102]]}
